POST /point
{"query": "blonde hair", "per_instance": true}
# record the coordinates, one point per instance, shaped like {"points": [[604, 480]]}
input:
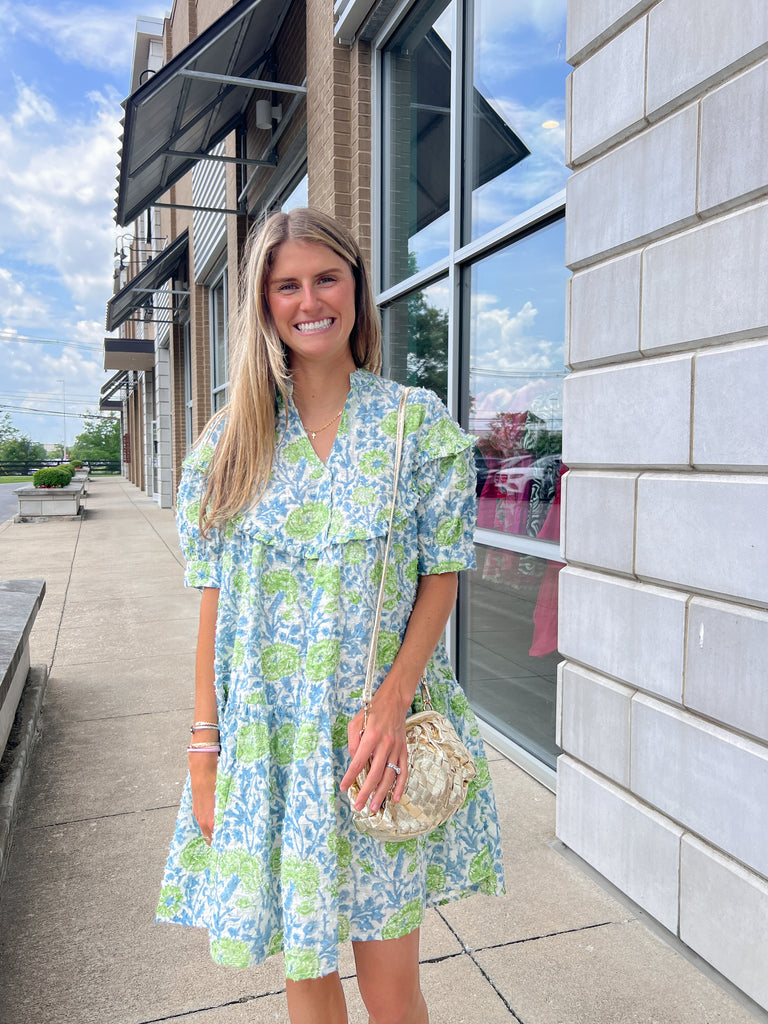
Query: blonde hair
{"points": [[242, 458]]}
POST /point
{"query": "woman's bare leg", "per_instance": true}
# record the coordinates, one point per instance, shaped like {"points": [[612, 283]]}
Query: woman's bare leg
{"points": [[388, 978], [316, 1001]]}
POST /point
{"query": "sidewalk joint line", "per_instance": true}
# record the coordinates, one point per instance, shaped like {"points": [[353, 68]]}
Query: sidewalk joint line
{"points": [[98, 817], [216, 1006], [66, 589], [470, 954], [133, 714], [546, 935]]}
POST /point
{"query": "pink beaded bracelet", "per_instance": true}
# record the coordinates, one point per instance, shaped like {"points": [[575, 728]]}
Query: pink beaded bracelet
{"points": [[204, 748]]}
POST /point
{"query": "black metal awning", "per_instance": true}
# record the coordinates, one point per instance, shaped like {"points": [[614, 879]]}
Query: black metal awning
{"points": [[108, 389], [194, 101], [155, 274], [128, 354]]}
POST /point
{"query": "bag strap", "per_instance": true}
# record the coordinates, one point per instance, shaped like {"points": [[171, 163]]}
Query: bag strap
{"points": [[370, 672]]}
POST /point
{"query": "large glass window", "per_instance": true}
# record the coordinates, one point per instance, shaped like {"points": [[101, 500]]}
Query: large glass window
{"points": [[515, 138], [416, 151], [472, 206], [219, 342], [508, 655], [515, 379], [516, 316], [417, 328]]}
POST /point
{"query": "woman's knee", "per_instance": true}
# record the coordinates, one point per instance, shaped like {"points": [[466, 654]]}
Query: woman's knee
{"points": [[316, 1000], [388, 978], [395, 1006]]}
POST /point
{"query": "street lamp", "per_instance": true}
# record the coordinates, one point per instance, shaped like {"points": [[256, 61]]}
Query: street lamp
{"points": [[64, 411]]}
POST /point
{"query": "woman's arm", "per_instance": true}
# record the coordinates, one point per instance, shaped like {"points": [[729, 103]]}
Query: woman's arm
{"points": [[384, 739], [203, 765]]}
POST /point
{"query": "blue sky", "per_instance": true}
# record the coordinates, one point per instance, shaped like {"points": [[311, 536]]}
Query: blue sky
{"points": [[64, 69]]}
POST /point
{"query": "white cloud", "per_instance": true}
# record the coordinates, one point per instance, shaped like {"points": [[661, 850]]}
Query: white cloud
{"points": [[55, 195], [96, 36], [16, 304], [31, 106], [32, 381]]}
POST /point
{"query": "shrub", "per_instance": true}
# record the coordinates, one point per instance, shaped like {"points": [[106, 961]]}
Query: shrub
{"points": [[54, 476], [76, 463]]}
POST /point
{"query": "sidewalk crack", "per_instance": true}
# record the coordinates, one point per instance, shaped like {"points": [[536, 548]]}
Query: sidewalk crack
{"points": [[66, 593], [216, 1006], [99, 817]]}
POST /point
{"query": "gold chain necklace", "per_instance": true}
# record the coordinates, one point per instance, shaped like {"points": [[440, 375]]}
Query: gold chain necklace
{"points": [[313, 433]]}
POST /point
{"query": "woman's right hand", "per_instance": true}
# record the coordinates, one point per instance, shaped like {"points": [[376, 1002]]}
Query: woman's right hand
{"points": [[202, 772]]}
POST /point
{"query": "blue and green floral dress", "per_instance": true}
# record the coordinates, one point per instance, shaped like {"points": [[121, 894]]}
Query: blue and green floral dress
{"points": [[298, 576]]}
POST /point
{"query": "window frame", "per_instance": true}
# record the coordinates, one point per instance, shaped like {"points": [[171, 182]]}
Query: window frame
{"points": [[457, 266], [188, 403], [218, 282]]}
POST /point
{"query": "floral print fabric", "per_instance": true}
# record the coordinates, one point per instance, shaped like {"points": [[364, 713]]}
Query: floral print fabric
{"points": [[298, 575]]}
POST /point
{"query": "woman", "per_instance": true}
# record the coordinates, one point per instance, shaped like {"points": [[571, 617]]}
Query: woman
{"points": [[283, 514]]}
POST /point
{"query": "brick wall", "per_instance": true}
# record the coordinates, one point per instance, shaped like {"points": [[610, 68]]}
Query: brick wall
{"points": [[663, 707], [338, 123]]}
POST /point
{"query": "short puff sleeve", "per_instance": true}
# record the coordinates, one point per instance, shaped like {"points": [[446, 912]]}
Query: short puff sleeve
{"points": [[203, 554], [447, 507]]}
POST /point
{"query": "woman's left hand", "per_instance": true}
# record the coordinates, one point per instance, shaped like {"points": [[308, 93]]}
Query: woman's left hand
{"points": [[383, 745]]}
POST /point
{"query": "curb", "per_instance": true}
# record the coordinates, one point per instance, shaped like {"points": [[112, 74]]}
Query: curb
{"points": [[21, 743]]}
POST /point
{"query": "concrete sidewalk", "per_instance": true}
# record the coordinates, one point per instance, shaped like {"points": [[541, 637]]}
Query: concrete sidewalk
{"points": [[77, 942]]}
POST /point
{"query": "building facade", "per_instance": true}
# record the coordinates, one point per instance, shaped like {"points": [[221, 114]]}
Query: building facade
{"points": [[601, 399]]}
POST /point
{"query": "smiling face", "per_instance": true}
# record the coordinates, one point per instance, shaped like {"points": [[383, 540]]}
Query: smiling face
{"points": [[311, 296]]}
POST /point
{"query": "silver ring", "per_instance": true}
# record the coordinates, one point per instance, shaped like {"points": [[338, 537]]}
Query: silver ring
{"points": [[394, 767]]}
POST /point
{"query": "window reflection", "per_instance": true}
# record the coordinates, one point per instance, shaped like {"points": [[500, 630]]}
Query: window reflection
{"points": [[298, 196], [417, 123], [417, 333], [516, 370], [518, 72], [509, 650]]}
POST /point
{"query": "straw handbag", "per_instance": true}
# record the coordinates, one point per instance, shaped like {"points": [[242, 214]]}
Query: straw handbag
{"points": [[440, 767]]}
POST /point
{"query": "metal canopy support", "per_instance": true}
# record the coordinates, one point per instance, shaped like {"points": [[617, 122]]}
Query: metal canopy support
{"points": [[200, 209], [248, 83], [171, 291], [246, 160]]}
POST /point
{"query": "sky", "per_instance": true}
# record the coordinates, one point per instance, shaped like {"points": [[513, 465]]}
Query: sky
{"points": [[64, 70]]}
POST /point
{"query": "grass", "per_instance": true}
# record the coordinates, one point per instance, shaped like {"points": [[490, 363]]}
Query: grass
{"points": [[15, 479]]}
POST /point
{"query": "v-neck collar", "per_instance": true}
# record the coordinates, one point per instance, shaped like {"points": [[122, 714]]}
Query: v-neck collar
{"points": [[356, 380]]}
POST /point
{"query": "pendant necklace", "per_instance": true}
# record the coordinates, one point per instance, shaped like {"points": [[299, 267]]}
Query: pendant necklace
{"points": [[313, 433]]}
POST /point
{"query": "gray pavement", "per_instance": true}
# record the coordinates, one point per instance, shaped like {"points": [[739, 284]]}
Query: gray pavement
{"points": [[77, 939]]}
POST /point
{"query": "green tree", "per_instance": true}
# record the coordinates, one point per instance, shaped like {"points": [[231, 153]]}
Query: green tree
{"points": [[427, 359], [18, 447], [100, 439]]}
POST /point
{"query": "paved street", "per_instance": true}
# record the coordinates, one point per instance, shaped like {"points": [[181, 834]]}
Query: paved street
{"points": [[8, 502]]}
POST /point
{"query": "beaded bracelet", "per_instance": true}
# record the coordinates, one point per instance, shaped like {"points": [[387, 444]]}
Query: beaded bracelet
{"points": [[196, 726], [203, 748]]}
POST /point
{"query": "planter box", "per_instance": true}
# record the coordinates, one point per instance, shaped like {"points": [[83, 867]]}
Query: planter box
{"points": [[20, 601], [44, 502]]}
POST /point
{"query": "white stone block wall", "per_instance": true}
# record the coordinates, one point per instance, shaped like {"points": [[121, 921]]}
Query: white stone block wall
{"points": [[663, 695], [149, 415], [163, 412]]}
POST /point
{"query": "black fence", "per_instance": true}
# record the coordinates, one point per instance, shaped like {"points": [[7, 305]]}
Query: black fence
{"points": [[27, 468]]}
